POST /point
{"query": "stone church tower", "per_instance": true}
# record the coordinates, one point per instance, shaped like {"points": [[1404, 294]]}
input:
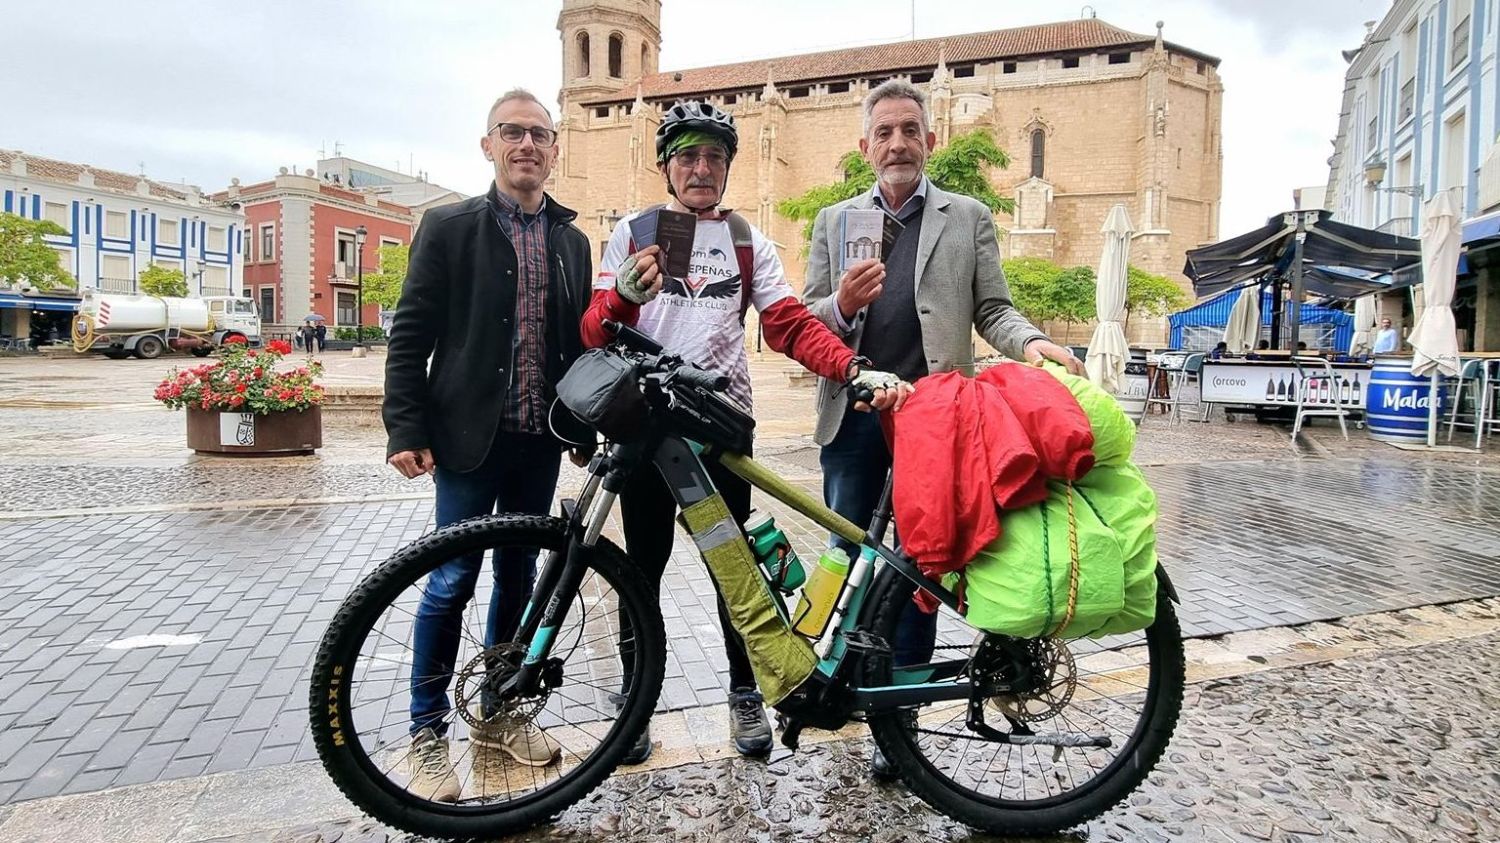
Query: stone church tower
{"points": [[606, 45]]}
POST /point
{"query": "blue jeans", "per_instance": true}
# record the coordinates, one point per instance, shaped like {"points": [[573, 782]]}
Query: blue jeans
{"points": [[518, 476], [855, 465]]}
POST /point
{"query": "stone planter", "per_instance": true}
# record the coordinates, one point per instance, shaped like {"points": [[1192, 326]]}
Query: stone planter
{"points": [[289, 433]]}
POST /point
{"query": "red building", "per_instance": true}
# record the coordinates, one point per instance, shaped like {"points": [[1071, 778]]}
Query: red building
{"points": [[300, 246]]}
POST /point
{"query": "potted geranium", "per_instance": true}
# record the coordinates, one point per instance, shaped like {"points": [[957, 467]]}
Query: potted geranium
{"points": [[242, 404]]}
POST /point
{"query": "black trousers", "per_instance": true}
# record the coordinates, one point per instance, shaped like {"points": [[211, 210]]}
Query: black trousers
{"points": [[648, 510]]}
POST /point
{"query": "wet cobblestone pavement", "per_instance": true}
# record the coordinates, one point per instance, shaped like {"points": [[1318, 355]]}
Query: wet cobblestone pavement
{"points": [[1324, 752]]}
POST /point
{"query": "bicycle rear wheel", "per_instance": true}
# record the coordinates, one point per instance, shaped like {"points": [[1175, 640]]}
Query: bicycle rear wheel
{"points": [[602, 684], [1126, 688]]}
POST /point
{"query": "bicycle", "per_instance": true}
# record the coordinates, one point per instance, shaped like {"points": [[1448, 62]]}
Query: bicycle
{"points": [[1081, 722]]}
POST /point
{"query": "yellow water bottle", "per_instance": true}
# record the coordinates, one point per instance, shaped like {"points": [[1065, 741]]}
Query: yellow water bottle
{"points": [[821, 593]]}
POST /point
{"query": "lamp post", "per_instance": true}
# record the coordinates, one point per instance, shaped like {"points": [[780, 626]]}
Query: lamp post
{"points": [[359, 286], [201, 266]]}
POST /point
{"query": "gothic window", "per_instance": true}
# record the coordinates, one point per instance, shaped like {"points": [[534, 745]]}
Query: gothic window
{"points": [[643, 61], [583, 54], [1038, 152], [616, 50]]}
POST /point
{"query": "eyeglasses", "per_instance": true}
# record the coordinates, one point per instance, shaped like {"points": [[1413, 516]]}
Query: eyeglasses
{"points": [[541, 136], [690, 157]]}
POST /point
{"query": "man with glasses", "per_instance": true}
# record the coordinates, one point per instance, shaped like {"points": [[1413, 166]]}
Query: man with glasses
{"points": [[494, 292], [702, 318]]}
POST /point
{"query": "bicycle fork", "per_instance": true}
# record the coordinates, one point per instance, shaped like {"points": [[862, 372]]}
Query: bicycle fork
{"points": [[562, 573]]}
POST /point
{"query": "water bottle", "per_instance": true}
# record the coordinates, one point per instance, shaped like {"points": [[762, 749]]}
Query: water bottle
{"points": [[821, 594], [774, 552]]}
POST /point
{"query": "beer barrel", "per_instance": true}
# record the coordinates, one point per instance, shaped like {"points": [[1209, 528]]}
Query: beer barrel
{"points": [[1397, 402]]}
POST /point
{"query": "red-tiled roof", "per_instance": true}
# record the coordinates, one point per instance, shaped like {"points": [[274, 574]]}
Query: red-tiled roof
{"points": [[1041, 39], [67, 173]]}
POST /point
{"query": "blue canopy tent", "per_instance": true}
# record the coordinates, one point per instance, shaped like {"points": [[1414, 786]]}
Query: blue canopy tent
{"points": [[1310, 253], [1199, 328]]}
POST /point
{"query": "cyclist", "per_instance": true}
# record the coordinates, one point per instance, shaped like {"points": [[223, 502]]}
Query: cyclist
{"points": [[701, 318]]}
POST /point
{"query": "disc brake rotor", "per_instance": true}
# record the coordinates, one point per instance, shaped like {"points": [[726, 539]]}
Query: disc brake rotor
{"points": [[476, 690], [1039, 676]]}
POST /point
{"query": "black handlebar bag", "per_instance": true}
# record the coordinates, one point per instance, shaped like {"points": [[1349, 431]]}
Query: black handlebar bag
{"points": [[604, 392]]}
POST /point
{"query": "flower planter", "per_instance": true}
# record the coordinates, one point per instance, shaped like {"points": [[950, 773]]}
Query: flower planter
{"points": [[277, 434]]}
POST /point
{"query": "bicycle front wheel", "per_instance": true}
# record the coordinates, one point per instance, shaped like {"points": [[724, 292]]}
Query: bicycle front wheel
{"points": [[430, 749], [1104, 711]]}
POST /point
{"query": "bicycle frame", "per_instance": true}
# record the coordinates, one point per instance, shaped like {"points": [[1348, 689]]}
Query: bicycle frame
{"points": [[680, 462]]}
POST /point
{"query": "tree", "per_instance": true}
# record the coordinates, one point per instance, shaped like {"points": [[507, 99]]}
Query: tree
{"points": [[858, 178], [1031, 281], [962, 166], [159, 281], [1074, 296], [25, 257], [1152, 295], [384, 287]]}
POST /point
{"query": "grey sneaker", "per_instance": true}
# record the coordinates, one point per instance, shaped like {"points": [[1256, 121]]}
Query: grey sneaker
{"points": [[432, 775], [749, 729]]}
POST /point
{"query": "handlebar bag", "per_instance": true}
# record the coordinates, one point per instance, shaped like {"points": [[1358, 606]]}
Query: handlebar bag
{"points": [[603, 391]]}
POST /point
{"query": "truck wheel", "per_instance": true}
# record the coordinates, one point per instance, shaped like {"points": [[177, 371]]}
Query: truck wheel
{"points": [[149, 348], [202, 352]]}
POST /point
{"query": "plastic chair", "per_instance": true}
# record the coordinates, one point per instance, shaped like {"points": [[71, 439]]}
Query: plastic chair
{"points": [[1192, 369], [1320, 392]]}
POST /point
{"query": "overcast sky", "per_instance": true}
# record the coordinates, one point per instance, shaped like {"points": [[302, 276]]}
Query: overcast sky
{"points": [[203, 90]]}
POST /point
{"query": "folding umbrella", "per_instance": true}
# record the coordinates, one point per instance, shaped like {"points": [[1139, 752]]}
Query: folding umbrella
{"points": [[1243, 328], [1435, 337], [1108, 350]]}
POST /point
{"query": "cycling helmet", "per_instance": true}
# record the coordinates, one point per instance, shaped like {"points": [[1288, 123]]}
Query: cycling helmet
{"points": [[700, 115]]}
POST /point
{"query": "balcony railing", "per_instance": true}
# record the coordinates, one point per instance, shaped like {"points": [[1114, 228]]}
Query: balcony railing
{"points": [[124, 286]]}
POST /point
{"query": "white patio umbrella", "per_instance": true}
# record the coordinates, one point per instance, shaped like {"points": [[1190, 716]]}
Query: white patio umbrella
{"points": [[1108, 350], [1364, 325], [1242, 330], [1434, 337]]}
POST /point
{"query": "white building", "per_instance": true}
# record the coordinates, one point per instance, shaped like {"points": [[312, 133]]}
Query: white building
{"points": [[118, 224], [412, 191], [1418, 116]]}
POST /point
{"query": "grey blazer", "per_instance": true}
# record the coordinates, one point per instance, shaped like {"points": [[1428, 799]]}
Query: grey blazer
{"points": [[959, 284]]}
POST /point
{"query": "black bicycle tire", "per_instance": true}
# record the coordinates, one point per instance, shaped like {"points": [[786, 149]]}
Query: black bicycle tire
{"points": [[1133, 764], [350, 766]]}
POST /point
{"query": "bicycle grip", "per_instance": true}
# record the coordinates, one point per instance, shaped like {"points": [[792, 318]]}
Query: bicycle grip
{"points": [[711, 381]]}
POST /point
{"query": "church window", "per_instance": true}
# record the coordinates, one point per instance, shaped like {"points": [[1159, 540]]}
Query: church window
{"points": [[583, 54], [963, 71], [798, 92], [1119, 58], [1070, 61], [601, 111], [838, 87], [1038, 152], [616, 51], [921, 78], [1008, 67]]}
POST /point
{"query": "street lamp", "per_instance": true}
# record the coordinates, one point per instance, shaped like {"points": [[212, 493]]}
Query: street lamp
{"points": [[201, 266], [1375, 174], [359, 280]]}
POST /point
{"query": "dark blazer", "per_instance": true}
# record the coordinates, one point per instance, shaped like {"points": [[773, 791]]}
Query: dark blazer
{"points": [[458, 306]]}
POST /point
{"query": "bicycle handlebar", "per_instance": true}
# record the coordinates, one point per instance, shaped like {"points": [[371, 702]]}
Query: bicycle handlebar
{"points": [[679, 370]]}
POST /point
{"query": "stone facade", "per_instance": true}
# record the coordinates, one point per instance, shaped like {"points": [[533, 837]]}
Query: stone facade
{"points": [[1120, 117]]}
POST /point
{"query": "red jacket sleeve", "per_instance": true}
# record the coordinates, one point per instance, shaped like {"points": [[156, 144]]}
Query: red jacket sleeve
{"points": [[790, 328], [1058, 428], [606, 304]]}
